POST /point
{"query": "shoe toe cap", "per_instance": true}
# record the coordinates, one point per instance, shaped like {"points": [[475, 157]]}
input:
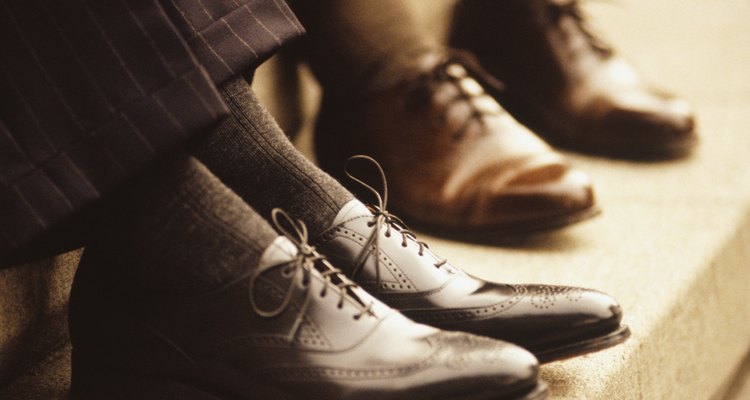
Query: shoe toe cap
{"points": [[534, 195], [662, 126], [563, 313], [470, 358]]}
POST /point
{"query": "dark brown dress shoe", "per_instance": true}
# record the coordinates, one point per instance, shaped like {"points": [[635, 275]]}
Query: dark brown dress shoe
{"points": [[459, 163], [378, 252], [566, 84], [290, 328]]}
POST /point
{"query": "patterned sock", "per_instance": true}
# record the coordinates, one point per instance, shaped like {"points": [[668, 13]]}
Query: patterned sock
{"points": [[251, 155], [179, 228]]}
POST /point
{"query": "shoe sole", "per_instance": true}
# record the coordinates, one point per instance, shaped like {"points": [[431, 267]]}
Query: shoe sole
{"points": [[539, 392], [122, 386], [615, 147], [645, 151], [583, 346], [503, 233]]}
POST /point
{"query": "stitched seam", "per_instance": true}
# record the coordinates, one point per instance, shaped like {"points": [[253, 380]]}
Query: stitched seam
{"points": [[387, 259]]}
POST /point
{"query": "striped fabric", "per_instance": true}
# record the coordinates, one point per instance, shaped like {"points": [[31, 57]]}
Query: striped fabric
{"points": [[232, 33], [93, 91]]}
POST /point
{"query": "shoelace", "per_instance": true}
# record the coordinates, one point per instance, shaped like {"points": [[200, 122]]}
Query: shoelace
{"points": [[572, 9], [382, 218], [463, 71], [305, 261]]}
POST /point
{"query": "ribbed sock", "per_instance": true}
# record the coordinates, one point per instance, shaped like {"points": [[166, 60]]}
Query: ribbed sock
{"points": [[180, 229], [252, 156]]}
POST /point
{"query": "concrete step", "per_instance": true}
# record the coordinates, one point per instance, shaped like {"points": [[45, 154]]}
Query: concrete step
{"points": [[673, 244], [739, 387]]}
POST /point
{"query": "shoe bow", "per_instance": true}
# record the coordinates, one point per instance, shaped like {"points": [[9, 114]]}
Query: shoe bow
{"points": [[306, 263], [381, 218]]}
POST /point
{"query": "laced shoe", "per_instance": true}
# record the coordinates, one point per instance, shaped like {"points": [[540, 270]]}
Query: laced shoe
{"points": [[291, 328], [460, 164], [378, 251], [567, 84]]}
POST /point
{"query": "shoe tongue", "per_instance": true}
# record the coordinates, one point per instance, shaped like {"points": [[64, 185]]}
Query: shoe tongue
{"points": [[352, 209], [280, 250]]}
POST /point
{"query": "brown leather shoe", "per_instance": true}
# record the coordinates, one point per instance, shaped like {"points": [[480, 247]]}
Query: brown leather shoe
{"points": [[459, 163], [376, 250], [291, 328], [566, 84]]}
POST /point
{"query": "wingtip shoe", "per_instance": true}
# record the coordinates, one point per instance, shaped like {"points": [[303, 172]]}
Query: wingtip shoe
{"points": [[569, 86], [290, 328], [459, 164], [376, 250]]}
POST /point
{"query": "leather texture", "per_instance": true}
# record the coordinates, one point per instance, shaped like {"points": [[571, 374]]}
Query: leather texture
{"points": [[458, 162], [551, 321], [566, 84], [292, 328]]}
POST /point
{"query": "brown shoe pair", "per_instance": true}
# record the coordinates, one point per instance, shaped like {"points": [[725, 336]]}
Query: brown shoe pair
{"points": [[459, 163]]}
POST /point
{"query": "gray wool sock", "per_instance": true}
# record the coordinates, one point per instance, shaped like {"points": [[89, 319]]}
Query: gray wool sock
{"points": [[180, 229], [251, 155]]}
